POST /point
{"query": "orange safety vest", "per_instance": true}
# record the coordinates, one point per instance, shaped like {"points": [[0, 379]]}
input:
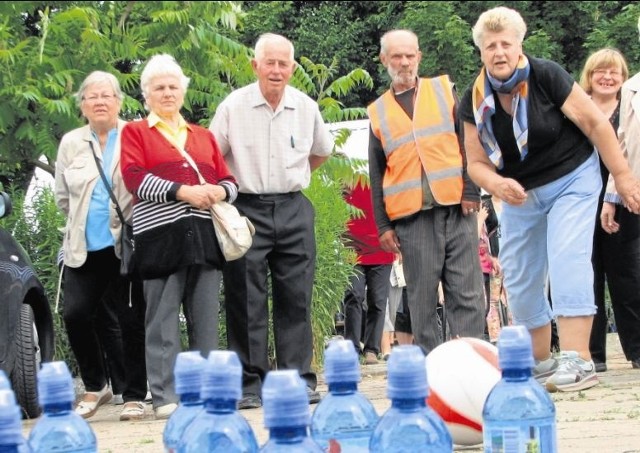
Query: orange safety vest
{"points": [[427, 142]]}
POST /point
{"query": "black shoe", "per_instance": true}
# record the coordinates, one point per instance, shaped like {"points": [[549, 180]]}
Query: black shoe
{"points": [[314, 397], [250, 401], [635, 363], [601, 367]]}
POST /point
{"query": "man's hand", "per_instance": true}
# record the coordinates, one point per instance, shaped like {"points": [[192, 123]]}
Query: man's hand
{"points": [[469, 207], [389, 241]]}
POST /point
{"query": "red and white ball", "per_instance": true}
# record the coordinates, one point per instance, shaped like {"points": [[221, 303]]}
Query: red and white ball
{"points": [[461, 373]]}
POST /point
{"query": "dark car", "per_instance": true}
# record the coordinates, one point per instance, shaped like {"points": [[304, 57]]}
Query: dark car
{"points": [[26, 324]]}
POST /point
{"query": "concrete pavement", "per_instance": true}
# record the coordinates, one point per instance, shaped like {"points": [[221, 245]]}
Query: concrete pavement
{"points": [[603, 419]]}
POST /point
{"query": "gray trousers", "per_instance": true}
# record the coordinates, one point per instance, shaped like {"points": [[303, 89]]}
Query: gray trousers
{"points": [[442, 244], [196, 289]]}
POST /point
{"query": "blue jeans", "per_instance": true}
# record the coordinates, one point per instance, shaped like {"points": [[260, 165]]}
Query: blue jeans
{"points": [[550, 239]]}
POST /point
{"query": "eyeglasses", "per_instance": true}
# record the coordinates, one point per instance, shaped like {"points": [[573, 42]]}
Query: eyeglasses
{"points": [[95, 98], [610, 72]]}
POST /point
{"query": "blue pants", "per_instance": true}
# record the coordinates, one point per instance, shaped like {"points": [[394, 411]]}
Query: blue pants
{"points": [[550, 238]]}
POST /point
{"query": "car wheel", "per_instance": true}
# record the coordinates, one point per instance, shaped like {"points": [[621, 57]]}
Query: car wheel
{"points": [[25, 371]]}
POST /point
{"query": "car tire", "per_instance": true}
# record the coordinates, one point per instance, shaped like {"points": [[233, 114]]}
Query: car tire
{"points": [[25, 371]]}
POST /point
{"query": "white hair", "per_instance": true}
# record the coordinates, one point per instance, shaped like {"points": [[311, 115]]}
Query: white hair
{"points": [[272, 38], [162, 65]]}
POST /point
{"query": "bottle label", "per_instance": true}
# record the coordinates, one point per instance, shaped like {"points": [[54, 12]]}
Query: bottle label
{"points": [[539, 438]]}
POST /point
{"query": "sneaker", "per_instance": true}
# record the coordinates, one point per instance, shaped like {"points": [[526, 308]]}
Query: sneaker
{"points": [[544, 368], [132, 410], [635, 363], [164, 412], [370, 359], [250, 401], [314, 396], [91, 401], [573, 373]]}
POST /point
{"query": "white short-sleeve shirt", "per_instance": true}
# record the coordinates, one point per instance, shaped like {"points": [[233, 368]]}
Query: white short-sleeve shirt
{"points": [[268, 151]]}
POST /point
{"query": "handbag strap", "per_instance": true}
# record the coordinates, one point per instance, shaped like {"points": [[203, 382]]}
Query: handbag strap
{"points": [[106, 184], [188, 159]]}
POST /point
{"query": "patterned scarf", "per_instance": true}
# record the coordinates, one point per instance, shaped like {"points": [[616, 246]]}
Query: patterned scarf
{"points": [[484, 107]]}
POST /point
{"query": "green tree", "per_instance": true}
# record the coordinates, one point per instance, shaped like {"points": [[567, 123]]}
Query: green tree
{"points": [[46, 50]]}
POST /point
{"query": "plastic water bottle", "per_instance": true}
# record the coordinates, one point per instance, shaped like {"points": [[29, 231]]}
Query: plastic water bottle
{"points": [[220, 427], [188, 378], [518, 415], [59, 428], [286, 413], [345, 418], [11, 439], [409, 424], [4, 381]]}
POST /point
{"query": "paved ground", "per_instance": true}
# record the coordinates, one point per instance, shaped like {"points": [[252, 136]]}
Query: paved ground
{"points": [[604, 419]]}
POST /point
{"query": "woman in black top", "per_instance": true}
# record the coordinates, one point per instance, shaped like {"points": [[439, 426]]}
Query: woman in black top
{"points": [[530, 132]]}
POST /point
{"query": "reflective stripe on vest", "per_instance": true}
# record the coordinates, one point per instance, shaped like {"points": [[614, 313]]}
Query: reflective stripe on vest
{"points": [[427, 142]]}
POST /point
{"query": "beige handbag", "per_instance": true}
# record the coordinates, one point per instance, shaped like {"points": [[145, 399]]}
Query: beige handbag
{"points": [[233, 231]]}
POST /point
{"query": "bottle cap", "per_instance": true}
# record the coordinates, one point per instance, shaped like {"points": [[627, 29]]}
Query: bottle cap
{"points": [[10, 419], [285, 399], [341, 362], [407, 373], [55, 384], [4, 381], [514, 348], [222, 376], [188, 372]]}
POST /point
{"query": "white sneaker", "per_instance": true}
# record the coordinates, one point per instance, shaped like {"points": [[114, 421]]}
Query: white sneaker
{"points": [[544, 368], [573, 373], [164, 412]]}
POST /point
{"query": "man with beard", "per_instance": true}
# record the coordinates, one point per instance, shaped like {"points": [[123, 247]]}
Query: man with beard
{"points": [[425, 205]]}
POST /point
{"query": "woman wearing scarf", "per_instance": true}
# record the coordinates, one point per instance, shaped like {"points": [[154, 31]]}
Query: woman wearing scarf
{"points": [[530, 133]]}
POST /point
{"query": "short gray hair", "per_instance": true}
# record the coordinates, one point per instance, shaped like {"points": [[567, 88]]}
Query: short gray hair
{"points": [[162, 65], [385, 38], [496, 20], [99, 77], [271, 38]]}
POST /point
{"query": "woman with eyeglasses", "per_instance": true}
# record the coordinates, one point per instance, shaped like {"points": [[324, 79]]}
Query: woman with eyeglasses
{"points": [[102, 310]]}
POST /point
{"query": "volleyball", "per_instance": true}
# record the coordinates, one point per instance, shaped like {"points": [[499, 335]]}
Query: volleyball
{"points": [[461, 373]]}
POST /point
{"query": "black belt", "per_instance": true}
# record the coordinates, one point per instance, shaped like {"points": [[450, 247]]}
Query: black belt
{"points": [[268, 196]]}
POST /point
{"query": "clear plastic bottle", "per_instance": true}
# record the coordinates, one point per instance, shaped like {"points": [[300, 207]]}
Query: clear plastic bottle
{"points": [[518, 415], [220, 427], [59, 428], [188, 378], [286, 413], [11, 439], [4, 381], [409, 424], [344, 417]]}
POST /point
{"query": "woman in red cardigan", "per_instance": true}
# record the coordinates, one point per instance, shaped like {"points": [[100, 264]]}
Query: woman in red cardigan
{"points": [[177, 253]]}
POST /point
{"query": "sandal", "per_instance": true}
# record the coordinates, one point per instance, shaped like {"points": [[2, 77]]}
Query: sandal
{"points": [[91, 401], [132, 410]]}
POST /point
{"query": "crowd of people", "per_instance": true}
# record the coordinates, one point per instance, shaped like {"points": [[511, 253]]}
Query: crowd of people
{"points": [[525, 132]]}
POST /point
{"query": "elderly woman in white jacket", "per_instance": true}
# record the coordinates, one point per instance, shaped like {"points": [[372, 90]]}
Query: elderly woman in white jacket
{"points": [[91, 250]]}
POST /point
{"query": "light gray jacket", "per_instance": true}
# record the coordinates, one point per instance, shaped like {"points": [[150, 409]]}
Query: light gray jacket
{"points": [[628, 132], [75, 178]]}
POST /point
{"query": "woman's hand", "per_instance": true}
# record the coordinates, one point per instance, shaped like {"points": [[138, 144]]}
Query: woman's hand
{"points": [[607, 218], [201, 196], [629, 189], [510, 191]]}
